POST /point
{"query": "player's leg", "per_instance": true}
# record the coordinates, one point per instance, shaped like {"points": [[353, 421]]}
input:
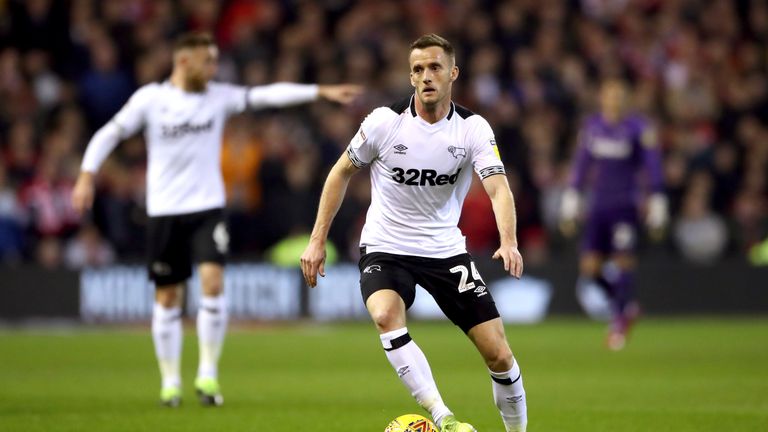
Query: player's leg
{"points": [[388, 290], [387, 310], [506, 376], [212, 320], [590, 272], [595, 243], [210, 242], [459, 290], [169, 265], [620, 273], [167, 334]]}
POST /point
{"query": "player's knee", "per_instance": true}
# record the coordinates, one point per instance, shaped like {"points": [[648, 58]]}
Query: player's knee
{"points": [[213, 288], [387, 319], [625, 262], [168, 297], [500, 359], [211, 279], [590, 267]]}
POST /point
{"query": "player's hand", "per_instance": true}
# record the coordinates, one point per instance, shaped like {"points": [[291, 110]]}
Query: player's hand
{"points": [[341, 93], [568, 228], [82, 193], [313, 262], [658, 211], [569, 211], [657, 216], [513, 261]]}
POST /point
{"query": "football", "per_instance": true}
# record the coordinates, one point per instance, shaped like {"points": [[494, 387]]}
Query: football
{"points": [[411, 423]]}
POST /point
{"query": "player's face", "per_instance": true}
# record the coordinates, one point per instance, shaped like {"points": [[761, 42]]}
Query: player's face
{"points": [[432, 74], [612, 98], [200, 64]]}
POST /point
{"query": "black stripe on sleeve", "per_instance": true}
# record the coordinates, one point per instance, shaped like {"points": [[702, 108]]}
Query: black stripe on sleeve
{"points": [[463, 112], [354, 159], [491, 170], [400, 106]]}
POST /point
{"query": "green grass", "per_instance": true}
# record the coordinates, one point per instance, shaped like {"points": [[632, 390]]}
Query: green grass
{"points": [[676, 375]]}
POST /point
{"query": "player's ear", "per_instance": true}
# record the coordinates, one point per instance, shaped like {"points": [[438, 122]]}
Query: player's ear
{"points": [[454, 73], [180, 58], [410, 76]]}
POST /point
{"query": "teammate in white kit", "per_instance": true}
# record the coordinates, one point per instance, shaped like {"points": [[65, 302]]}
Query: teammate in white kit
{"points": [[183, 119], [421, 153]]}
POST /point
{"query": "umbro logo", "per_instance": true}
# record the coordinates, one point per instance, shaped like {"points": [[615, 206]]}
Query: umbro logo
{"points": [[457, 151], [514, 399], [481, 291], [400, 149], [402, 371], [371, 268]]}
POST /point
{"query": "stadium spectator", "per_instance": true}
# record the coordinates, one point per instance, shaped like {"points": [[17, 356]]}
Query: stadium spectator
{"points": [[699, 233], [46, 199], [88, 249], [697, 68], [105, 86], [241, 157], [11, 222]]}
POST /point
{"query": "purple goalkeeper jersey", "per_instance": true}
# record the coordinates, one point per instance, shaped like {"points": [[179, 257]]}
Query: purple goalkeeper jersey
{"points": [[610, 157]]}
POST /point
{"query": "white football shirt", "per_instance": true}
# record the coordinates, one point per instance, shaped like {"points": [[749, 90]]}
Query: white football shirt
{"points": [[183, 132], [420, 175]]}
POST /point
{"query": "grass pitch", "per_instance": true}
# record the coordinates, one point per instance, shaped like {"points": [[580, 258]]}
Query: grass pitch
{"points": [[675, 375]]}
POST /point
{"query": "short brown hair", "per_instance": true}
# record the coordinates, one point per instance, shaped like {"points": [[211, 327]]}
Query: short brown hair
{"points": [[193, 40], [430, 40]]}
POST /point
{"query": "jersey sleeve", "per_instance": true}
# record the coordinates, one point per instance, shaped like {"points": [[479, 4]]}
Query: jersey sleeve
{"points": [[239, 98], [363, 149], [581, 160], [486, 160], [132, 116], [649, 145], [281, 95], [129, 120], [235, 97]]}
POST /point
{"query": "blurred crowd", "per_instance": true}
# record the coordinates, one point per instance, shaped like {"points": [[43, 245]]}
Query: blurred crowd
{"points": [[697, 69]]}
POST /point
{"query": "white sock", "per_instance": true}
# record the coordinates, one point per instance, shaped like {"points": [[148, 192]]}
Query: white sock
{"points": [[413, 369], [166, 334], [212, 317], [509, 394]]}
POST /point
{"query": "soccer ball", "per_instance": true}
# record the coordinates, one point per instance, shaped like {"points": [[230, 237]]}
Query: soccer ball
{"points": [[411, 423]]}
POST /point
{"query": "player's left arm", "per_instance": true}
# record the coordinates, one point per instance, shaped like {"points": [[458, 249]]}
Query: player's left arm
{"points": [[313, 257], [486, 161], [503, 202], [286, 94], [657, 216], [570, 202], [339, 93], [360, 152]]}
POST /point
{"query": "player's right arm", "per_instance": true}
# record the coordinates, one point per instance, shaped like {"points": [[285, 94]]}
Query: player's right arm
{"points": [[571, 199], [657, 217], [313, 258], [362, 150], [284, 94], [125, 123]]}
